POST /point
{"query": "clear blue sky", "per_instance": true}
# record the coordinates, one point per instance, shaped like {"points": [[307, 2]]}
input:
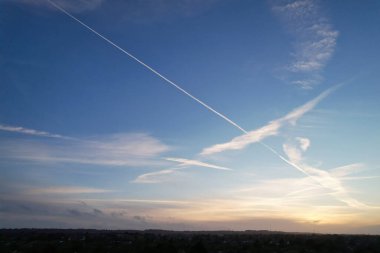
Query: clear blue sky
{"points": [[91, 138]]}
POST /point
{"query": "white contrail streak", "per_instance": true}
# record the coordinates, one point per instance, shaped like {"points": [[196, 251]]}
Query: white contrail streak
{"points": [[149, 68], [175, 85]]}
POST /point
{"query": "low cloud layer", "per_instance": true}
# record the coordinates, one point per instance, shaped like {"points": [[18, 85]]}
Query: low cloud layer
{"points": [[249, 211]]}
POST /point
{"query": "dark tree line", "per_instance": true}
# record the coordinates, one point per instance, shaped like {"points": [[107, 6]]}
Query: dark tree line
{"points": [[61, 241]]}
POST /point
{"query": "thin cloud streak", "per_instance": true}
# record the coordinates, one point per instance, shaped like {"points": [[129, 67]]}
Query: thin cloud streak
{"points": [[168, 202], [138, 149], [347, 170], [358, 178], [66, 190], [28, 131], [242, 141], [167, 174], [271, 129], [154, 177], [187, 162]]}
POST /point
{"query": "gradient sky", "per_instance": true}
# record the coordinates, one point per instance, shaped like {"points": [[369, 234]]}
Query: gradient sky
{"points": [[91, 138]]}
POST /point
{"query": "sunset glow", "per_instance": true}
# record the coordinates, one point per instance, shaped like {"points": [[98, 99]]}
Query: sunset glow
{"points": [[190, 115]]}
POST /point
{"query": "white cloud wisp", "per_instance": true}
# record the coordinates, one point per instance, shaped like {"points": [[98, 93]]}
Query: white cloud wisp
{"points": [[137, 149], [187, 162], [65, 190], [272, 128], [315, 40], [155, 177], [28, 131], [167, 174]]}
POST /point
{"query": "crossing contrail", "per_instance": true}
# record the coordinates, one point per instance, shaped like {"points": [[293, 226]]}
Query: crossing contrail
{"points": [[176, 86]]}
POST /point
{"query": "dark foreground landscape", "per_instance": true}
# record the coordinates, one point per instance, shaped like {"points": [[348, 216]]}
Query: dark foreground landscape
{"points": [[55, 240]]}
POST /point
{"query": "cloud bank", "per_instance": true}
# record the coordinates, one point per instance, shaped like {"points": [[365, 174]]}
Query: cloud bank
{"points": [[238, 213]]}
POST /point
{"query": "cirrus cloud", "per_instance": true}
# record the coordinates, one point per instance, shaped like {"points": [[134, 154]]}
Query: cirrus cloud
{"points": [[132, 149], [315, 40]]}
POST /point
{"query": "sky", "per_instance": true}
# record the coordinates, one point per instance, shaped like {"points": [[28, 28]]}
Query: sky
{"points": [[190, 115]]}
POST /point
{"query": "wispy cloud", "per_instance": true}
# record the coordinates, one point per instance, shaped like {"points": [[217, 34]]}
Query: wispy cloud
{"points": [[322, 177], [155, 177], [315, 39], [28, 131], [169, 174], [187, 162], [272, 128], [347, 170], [304, 143], [137, 149], [65, 190]]}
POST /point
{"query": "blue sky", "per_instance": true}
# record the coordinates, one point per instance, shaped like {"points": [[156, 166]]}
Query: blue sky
{"points": [[287, 137]]}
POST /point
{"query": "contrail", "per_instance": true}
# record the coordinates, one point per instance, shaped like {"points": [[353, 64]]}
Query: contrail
{"points": [[149, 68], [175, 85]]}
